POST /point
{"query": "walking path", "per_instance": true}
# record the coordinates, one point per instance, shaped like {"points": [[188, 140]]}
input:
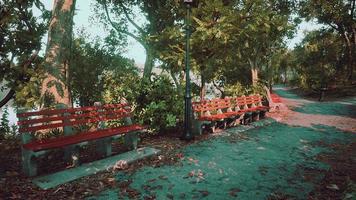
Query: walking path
{"points": [[275, 161], [301, 112]]}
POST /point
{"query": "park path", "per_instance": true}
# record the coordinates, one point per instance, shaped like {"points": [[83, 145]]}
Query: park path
{"points": [[275, 161], [296, 111]]}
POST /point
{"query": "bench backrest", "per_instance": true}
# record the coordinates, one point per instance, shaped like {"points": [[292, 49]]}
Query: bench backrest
{"points": [[59, 118], [206, 107], [245, 102]]}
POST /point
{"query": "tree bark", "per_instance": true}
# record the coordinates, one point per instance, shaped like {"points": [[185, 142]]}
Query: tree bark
{"points": [[147, 71], [350, 56], [176, 82], [57, 58], [254, 72], [202, 87]]}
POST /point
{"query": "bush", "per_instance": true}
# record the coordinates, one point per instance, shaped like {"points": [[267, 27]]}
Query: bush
{"points": [[159, 105], [238, 90], [234, 90], [156, 103], [6, 130]]}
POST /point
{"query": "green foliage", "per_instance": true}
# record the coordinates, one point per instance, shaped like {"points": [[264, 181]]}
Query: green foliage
{"points": [[97, 70], [159, 105], [234, 90], [339, 17], [4, 125], [238, 89], [21, 34], [6, 130], [318, 60]]}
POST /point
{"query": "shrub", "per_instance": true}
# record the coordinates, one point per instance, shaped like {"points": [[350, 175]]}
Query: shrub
{"points": [[159, 105], [238, 90], [156, 103], [7, 130]]}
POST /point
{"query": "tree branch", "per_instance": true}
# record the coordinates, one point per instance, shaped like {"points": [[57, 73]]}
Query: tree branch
{"points": [[130, 20], [334, 27], [7, 98], [122, 31]]}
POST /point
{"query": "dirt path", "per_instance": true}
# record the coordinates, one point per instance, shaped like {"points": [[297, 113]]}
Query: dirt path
{"points": [[286, 113]]}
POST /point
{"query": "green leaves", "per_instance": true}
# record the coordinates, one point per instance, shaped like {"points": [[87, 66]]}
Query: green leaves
{"points": [[21, 35]]}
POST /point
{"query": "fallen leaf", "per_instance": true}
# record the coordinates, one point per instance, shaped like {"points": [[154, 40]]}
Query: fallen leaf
{"points": [[332, 187]]}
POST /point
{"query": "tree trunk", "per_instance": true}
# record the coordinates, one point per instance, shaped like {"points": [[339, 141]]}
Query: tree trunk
{"points": [[202, 88], [176, 82], [147, 71], [254, 73], [349, 47], [55, 87]]}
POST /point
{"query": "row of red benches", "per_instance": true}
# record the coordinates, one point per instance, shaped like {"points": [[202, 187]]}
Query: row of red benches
{"points": [[227, 111], [87, 125]]}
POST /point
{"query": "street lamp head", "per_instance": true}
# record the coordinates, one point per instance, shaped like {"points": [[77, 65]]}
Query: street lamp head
{"points": [[188, 1]]}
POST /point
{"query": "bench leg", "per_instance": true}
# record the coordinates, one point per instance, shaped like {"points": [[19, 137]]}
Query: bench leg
{"points": [[224, 124], [212, 126], [262, 114], [131, 140], [239, 120], [71, 155], [256, 116], [247, 118], [104, 147], [29, 165], [197, 127]]}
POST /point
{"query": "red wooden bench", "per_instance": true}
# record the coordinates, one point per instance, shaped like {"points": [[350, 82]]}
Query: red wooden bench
{"points": [[210, 112], [252, 107], [79, 126], [230, 111]]}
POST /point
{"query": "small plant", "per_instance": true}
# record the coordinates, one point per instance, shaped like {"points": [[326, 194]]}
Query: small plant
{"points": [[7, 130], [4, 125]]}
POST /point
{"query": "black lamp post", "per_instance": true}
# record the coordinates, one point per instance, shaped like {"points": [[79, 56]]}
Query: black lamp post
{"points": [[188, 97]]}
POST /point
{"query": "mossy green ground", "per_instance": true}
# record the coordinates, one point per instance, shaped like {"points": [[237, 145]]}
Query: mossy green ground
{"points": [[275, 159]]}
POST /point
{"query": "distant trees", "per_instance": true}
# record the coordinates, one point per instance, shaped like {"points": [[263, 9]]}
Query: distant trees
{"points": [[319, 59], [339, 16]]}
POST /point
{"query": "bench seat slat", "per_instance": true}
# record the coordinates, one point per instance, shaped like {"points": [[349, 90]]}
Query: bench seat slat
{"points": [[213, 117], [51, 143], [91, 114], [67, 110], [72, 123]]}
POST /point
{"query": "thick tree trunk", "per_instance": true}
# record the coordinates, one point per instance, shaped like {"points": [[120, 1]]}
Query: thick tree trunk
{"points": [[56, 84]]}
